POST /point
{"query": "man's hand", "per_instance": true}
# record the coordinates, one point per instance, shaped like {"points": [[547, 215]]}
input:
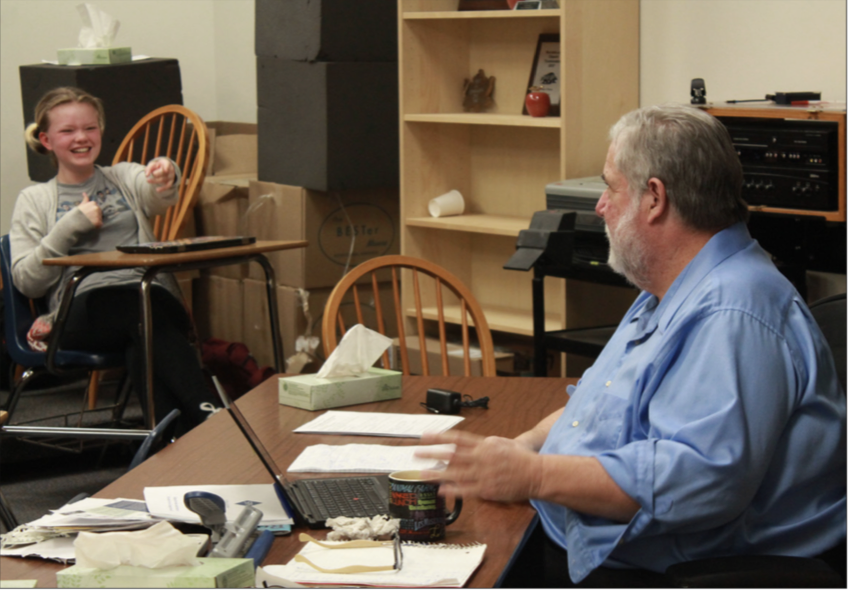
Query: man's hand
{"points": [[91, 210], [492, 468], [161, 173]]}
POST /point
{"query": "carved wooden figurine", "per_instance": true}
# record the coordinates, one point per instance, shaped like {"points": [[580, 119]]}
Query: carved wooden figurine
{"points": [[479, 93]]}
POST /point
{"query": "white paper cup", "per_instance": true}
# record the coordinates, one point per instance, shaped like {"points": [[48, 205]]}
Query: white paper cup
{"points": [[450, 203]]}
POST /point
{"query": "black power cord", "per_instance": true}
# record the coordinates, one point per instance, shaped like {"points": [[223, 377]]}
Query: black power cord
{"points": [[470, 402]]}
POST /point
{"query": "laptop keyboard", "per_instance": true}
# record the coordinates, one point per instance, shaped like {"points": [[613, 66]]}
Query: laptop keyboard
{"points": [[348, 496]]}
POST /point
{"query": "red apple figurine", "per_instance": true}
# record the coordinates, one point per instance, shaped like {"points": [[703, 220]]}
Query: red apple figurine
{"points": [[538, 102]]}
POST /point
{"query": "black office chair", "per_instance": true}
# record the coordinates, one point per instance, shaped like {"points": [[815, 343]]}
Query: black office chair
{"points": [[830, 316], [19, 314], [775, 571]]}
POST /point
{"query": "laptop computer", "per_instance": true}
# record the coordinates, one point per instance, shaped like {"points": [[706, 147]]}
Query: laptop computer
{"points": [[313, 501], [187, 244]]}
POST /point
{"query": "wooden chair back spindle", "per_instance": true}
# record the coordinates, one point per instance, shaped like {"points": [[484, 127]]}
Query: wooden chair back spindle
{"points": [[188, 148]]}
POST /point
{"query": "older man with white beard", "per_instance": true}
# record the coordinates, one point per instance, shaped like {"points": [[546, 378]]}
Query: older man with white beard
{"points": [[712, 423]]}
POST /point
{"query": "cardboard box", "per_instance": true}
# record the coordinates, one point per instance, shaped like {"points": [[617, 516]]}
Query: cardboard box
{"points": [[232, 148], [220, 211], [214, 572], [317, 30], [296, 320], [456, 362], [79, 56], [308, 392], [129, 91], [368, 218], [218, 305], [328, 125]]}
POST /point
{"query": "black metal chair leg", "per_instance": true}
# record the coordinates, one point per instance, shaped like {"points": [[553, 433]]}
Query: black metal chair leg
{"points": [[6, 515]]}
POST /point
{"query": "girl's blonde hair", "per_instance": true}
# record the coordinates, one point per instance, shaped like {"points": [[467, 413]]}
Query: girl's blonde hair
{"points": [[49, 101]]}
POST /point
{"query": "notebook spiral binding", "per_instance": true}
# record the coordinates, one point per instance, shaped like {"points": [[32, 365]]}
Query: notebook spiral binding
{"points": [[443, 545]]}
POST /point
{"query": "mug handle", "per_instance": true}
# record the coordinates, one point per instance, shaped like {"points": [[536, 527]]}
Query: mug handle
{"points": [[457, 508]]}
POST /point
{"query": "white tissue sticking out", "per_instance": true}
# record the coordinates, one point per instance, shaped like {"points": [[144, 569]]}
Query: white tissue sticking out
{"points": [[357, 352], [99, 29], [158, 546]]}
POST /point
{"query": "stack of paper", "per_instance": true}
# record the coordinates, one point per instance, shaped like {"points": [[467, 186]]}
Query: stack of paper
{"points": [[167, 502], [364, 459], [379, 424], [97, 515], [52, 536]]}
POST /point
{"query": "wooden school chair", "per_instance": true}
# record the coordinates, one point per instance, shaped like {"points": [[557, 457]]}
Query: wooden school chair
{"points": [[180, 134], [446, 286]]}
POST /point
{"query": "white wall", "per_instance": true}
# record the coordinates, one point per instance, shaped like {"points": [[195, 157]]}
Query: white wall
{"points": [[742, 49], [212, 39]]}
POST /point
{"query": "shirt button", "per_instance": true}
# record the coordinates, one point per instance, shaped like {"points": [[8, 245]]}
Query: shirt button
{"points": [[608, 383], [575, 423]]}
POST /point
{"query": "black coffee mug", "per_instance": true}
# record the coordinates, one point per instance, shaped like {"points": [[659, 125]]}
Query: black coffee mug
{"points": [[416, 502]]}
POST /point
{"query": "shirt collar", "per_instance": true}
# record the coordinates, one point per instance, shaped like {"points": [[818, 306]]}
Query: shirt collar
{"points": [[721, 246]]}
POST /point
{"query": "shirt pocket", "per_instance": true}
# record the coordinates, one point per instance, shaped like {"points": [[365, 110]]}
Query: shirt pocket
{"points": [[604, 428]]}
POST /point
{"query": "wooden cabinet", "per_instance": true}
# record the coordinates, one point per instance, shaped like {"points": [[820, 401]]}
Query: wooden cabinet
{"points": [[502, 160]]}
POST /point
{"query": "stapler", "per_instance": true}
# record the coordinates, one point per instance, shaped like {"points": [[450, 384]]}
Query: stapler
{"points": [[239, 538]]}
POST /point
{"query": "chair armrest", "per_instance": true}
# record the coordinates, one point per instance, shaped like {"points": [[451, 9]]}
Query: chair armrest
{"points": [[754, 571]]}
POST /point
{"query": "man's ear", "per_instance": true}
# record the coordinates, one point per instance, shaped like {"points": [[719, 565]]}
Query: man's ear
{"points": [[658, 199]]}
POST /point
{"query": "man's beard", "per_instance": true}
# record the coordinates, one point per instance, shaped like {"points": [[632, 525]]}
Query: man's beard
{"points": [[627, 252]]}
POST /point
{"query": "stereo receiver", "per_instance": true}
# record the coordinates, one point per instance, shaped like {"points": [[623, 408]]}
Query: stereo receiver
{"points": [[787, 163]]}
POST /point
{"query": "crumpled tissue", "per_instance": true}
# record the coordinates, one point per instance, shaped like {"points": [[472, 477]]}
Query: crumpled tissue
{"points": [[347, 528], [357, 352], [158, 546], [99, 29]]}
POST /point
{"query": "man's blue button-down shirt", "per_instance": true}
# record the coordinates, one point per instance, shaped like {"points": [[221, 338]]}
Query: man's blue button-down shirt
{"points": [[719, 411]]}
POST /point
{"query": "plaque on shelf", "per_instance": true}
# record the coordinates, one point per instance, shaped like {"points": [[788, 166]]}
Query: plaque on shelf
{"points": [[536, 4], [479, 92], [484, 5], [546, 70]]}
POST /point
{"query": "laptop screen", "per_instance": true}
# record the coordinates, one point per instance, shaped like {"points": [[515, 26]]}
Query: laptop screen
{"points": [[257, 446]]}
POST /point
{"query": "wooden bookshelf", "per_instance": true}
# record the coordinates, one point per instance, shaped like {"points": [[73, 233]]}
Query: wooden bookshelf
{"points": [[501, 160]]}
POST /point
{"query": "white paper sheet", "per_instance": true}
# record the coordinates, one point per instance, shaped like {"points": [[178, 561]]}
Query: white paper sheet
{"points": [[379, 424], [363, 459], [60, 549], [167, 502]]}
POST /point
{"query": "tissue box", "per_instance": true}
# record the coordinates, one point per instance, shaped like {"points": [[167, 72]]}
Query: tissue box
{"points": [[78, 56], [308, 392], [214, 572]]}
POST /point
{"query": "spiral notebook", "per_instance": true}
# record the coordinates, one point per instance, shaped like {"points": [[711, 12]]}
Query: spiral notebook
{"points": [[430, 565]]}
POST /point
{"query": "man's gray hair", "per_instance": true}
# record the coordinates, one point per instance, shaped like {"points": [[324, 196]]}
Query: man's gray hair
{"points": [[692, 153]]}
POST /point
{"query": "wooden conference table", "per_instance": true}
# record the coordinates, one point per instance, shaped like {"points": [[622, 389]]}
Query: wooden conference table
{"points": [[172, 262], [216, 453]]}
